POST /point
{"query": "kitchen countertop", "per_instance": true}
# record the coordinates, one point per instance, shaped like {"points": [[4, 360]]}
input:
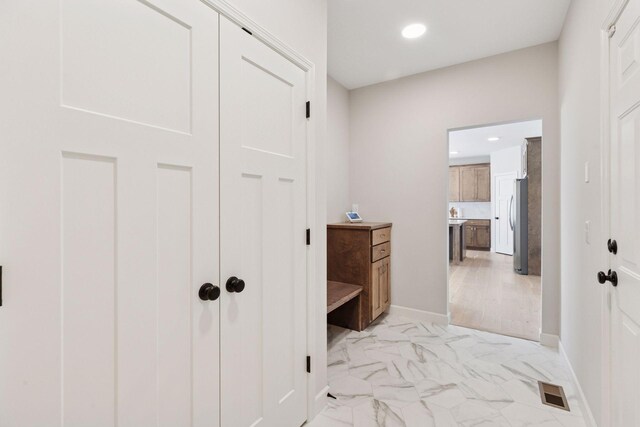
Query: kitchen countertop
{"points": [[457, 221], [360, 225]]}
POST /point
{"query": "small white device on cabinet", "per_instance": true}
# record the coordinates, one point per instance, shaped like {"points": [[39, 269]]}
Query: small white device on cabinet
{"points": [[354, 217]]}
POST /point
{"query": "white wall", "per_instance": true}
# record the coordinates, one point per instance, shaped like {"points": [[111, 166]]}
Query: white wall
{"points": [[454, 161], [399, 160], [507, 160], [337, 151], [582, 297], [502, 161], [302, 24]]}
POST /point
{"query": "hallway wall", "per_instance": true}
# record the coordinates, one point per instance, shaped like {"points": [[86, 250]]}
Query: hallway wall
{"points": [[399, 162], [582, 297], [338, 201]]}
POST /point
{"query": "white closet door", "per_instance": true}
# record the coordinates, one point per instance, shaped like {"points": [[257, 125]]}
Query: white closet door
{"points": [[624, 63], [263, 214], [108, 213]]}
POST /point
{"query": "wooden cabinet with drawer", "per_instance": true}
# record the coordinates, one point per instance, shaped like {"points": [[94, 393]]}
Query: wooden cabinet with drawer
{"points": [[359, 253], [478, 234]]}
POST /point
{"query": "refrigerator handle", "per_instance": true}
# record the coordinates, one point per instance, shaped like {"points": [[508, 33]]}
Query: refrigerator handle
{"points": [[511, 212]]}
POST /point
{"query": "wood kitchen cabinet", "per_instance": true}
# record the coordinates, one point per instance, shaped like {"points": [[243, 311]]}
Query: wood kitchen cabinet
{"points": [[380, 281], [470, 183], [454, 184], [470, 236], [483, 236], [359, 254], [478, 234], [483, 183]]}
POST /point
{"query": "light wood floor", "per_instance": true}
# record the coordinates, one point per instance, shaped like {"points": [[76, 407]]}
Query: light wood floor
{"points": [[486, 294]]}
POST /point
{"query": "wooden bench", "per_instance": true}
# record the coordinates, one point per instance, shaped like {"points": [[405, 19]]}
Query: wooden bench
{"points": [[343, 305]]}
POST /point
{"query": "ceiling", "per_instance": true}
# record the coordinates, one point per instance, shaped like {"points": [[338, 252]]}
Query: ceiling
{"points": [[474, 143], [366, 45]]}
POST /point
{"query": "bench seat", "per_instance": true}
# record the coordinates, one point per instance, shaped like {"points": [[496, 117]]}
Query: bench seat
{"points": [[343, 301]]}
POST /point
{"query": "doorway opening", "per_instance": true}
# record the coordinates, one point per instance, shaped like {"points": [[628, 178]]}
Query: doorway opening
{"points": [[495, 228]]}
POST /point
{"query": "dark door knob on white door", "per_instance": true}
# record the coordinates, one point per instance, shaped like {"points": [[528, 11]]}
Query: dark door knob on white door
{"points": [[209, 292], [235, 285], [611, 276]]}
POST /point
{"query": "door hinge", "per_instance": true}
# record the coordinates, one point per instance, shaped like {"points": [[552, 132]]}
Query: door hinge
{"points": [[308, 109], [611, 31], [309, 364], [247, 31], [308, 236]]}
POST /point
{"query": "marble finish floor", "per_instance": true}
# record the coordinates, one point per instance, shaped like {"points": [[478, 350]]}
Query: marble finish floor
{"points": [[400, 372], [485, 293]]}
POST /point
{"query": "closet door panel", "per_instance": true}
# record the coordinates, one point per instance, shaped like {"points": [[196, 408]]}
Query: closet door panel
{"points": [[109, 183], [263, 225]]}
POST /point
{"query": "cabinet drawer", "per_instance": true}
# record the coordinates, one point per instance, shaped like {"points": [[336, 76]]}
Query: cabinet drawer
{"points": [[380, 235], [380, 251], [480, 222]]}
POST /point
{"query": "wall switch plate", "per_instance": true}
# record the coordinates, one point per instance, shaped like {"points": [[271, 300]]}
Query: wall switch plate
{"points": [[354, 207], [586, 171], [587, 231]]}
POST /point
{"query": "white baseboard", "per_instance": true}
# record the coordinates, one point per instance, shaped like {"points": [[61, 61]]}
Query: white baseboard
{"points": [[586, 410], [549, 340], [424, 316]]}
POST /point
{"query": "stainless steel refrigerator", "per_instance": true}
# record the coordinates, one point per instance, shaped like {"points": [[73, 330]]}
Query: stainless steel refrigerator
{"points": [[519, 223]]}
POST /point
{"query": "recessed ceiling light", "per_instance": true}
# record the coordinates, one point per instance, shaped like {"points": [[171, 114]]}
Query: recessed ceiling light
{"points": [[493, 138], [453, 152], [413, 31]]}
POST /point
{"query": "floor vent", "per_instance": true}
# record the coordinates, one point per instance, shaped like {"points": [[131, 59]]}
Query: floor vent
{"points": [[553, 395]]}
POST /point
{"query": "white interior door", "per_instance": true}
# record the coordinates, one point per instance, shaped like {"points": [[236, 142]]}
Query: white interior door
{"points": [[263, 222], [108, 213], [504, 197], [624, 66]]}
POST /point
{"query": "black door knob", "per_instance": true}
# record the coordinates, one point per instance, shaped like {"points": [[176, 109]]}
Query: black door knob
{"points": [[235, 285], [610, 276], [612, 245], [209, 292]]}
